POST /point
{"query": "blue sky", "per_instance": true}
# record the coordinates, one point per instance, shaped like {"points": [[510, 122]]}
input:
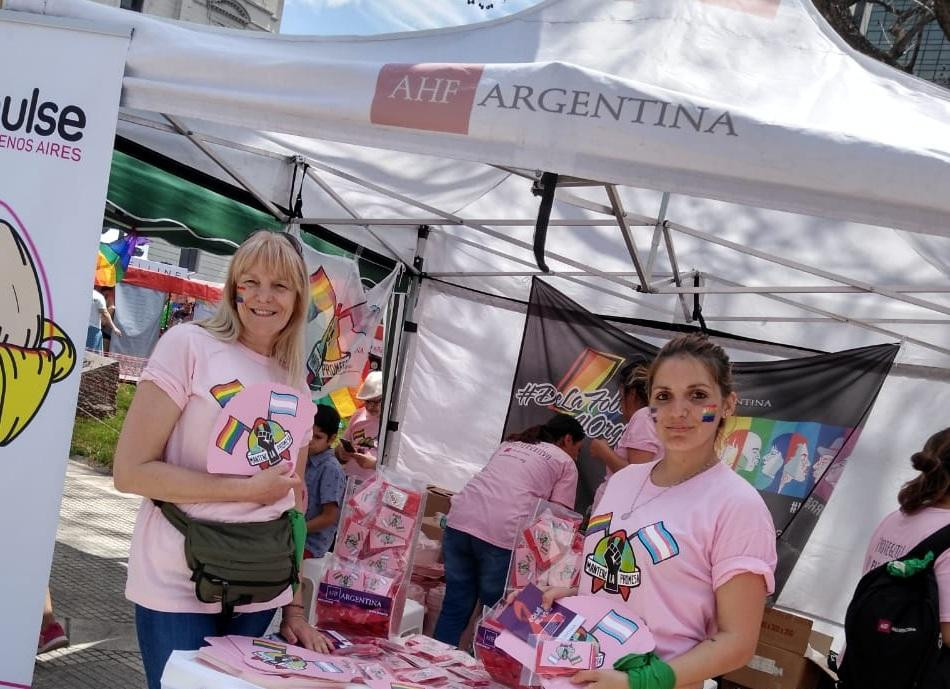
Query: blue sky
{"points": [[341, 17]]}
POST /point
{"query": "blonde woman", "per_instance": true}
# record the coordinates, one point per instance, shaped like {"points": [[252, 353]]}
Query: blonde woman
{"points": [[256, 336]]}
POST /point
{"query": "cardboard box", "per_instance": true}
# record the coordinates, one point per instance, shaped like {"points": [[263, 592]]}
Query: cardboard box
{"points": [[778, 668], [785, 630], [438, 500], [430, 527]]}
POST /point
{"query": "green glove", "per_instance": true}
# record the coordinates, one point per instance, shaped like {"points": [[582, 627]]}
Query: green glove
{"points": [[298, 527], [908, 568], [646, 671]]}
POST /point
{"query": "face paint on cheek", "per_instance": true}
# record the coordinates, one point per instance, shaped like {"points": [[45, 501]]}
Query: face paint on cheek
{"points": [[653, 413], [239, 297], [709, 413]]}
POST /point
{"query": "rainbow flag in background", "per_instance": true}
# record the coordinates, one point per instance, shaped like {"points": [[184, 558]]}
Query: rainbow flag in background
{"points": [[230, 434], [322, 296], [589, 372], [113, 259], [225, 391]]}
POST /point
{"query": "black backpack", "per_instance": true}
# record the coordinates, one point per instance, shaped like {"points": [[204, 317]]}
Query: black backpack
{"points": [[892, 627]]}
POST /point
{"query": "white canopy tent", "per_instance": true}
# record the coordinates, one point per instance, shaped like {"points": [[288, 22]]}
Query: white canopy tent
{"points": [[731, 149]]}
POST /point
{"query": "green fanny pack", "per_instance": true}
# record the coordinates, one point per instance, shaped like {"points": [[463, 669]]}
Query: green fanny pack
{"points": [[239, 563]]}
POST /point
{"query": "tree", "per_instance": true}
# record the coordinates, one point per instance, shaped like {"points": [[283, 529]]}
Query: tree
{"points": [[906, 23]]}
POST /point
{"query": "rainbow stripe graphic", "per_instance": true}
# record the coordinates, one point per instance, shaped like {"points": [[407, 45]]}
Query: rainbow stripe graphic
{"points": [[225, 391], [272, 645], [599, 523], [709, 413], [659, 542], [230, 434], [322, 296], [589, 371]]}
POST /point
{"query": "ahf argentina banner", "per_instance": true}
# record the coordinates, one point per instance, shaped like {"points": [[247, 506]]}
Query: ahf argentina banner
{"points": [[795, 426]]}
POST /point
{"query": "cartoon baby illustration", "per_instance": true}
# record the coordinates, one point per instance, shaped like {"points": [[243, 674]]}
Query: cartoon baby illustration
{"points": [[34, 351]]}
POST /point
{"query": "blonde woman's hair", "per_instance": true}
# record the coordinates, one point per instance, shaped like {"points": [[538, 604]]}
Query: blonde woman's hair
{"points": [[280, 254]]}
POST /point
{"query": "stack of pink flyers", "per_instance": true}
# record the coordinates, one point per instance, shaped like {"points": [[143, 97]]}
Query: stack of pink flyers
{"points": [[277, 665]]}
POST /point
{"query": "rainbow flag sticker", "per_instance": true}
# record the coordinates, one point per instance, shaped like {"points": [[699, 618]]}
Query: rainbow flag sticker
{"points": [[225, 391], [709, 413], [599, 523], [272, 645], [230, 434]]}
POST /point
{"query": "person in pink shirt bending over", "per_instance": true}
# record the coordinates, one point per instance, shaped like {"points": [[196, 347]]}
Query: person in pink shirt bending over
{"points": [[924, 509], [254, 341], [357, 449], [684, 542], [537, 464], [639, 442]]}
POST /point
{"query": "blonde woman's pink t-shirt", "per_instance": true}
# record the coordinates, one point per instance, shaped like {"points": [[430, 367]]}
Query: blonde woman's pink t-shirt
{"points": [[639, 434], [363, 432], [506, 491], [192, 367], [670, 548], [898, 533]]}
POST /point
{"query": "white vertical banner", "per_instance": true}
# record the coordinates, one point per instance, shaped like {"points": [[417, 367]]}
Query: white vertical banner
{"points": [[59, 97]]}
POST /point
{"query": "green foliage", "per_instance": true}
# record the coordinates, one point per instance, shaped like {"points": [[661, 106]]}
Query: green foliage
{"points": [[95, 439]]}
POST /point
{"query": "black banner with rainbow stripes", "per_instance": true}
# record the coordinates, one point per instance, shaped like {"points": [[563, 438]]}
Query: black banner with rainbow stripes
{"points": [[796, 424]]}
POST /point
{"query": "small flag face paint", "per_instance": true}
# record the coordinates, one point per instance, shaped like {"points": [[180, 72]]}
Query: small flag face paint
{"points": [[653, 414], [709, 413], [239, 298]]}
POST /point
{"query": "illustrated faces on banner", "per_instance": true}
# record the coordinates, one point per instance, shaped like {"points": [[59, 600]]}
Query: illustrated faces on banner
{"points": [[35, 353], [792, 459]]}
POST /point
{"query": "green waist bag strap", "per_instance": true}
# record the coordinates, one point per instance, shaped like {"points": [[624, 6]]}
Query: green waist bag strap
{"points": [[236, 563], [298, 529]]}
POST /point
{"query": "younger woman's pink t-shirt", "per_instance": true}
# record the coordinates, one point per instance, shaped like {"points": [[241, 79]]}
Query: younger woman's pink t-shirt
{"points": [[639, 434], [663, 551], [198, 372], [493, 505], [898, 533]]}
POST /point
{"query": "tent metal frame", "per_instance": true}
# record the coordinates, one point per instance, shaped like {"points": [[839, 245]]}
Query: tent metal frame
{"points": [[616, 216]]}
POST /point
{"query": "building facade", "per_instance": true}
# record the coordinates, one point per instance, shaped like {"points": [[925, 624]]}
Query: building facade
{"points": [[933, 57]]}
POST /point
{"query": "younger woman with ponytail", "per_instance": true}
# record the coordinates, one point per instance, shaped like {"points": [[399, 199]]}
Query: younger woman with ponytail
{"points": [[536, 464], [924, 508]]}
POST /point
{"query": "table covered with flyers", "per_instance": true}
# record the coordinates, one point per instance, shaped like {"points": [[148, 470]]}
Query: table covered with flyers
{"points": [[362, 595]]}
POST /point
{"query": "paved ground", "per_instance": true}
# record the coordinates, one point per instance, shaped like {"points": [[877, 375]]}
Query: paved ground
{"points": [[87, 583]]}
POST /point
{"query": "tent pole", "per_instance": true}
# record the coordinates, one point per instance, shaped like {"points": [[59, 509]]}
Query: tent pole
{"points": [[657, 233], [390, 357], [838, 317], [671, 254], [452, 219], [616, 205], [331, 192], [404, 351], [828, 275], [239, 178]]}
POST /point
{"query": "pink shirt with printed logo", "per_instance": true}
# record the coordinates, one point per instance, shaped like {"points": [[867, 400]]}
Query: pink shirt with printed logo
{"points": [[506, 491], [639, 434], [186, 364], [363, 431], [670, 548], [898, 533]]}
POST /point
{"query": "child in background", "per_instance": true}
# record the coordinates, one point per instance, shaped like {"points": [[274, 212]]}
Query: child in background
{"points": [[325, 483]]}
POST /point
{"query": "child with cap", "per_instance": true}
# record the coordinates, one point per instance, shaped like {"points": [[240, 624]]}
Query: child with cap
{"points": [[325, 483]]}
